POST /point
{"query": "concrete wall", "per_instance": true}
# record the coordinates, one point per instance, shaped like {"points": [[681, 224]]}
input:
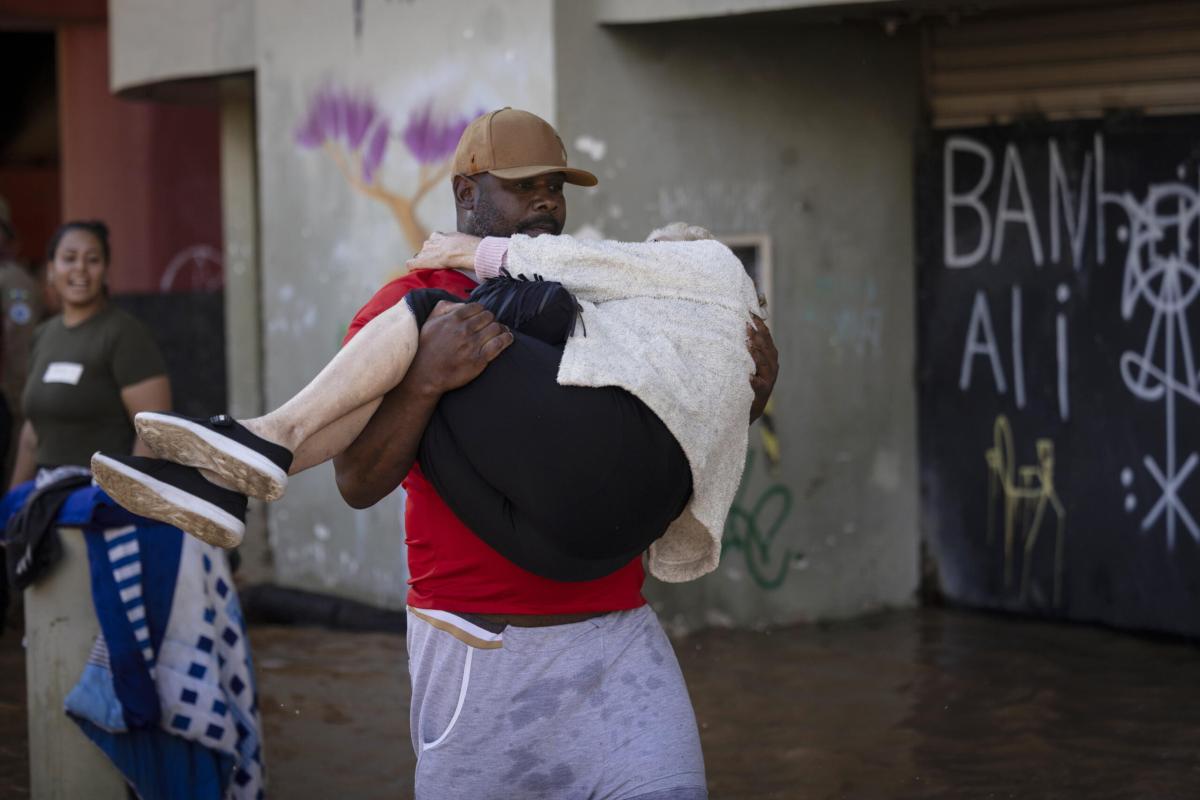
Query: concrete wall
{"points": [[332, 236], [163, 40], [243, 303], [804, 133]]}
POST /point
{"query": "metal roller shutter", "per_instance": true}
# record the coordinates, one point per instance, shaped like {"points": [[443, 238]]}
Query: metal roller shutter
{"points": [[1078, 63]]}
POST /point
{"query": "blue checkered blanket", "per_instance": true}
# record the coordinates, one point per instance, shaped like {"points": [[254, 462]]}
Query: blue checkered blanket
{"points": [[168, 690]]}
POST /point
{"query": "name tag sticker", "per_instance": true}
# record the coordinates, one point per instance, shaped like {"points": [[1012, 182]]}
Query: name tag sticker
{"points": [[63, 372]]}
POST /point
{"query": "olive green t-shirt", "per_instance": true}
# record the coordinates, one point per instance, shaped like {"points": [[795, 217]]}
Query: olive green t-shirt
{"points": [[73, 393]]}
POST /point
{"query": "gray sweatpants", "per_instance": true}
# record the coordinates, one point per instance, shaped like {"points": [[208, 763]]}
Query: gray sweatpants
{"points": [[595, 710]]}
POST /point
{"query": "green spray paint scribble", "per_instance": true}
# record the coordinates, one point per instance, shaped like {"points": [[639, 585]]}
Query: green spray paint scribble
{"points": [[752, 529]]}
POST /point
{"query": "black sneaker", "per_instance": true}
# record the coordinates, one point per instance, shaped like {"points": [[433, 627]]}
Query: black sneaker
{"points": [[251, 464], [535, 307], [174, 494]]}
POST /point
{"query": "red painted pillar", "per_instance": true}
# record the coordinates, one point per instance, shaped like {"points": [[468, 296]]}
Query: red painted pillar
{"points": [[151, 171]]}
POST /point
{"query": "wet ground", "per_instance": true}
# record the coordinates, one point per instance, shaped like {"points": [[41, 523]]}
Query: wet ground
{"points": [[929, 704]]}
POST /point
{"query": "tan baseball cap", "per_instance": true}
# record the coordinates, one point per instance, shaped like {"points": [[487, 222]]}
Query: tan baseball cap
{"points": [[514, 144]]}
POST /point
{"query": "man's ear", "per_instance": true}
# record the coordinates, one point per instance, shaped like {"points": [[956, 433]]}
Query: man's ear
{"points": [[465, 192]]}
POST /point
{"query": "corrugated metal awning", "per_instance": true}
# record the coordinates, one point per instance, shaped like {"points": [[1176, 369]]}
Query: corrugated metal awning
{"points": [[1078, 63]]}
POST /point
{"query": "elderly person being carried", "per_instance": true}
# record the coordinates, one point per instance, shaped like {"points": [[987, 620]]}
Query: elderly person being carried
{"points": [[618, 411], [611, 416]]}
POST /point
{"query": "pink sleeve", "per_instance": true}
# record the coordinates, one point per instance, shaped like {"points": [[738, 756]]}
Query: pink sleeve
{"points": [[490, 256]]}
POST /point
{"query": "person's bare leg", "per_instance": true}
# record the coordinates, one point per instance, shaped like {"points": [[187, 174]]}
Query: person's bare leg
{"points": [[362, 372], [333, 438], [320, 421], [322, 445]]}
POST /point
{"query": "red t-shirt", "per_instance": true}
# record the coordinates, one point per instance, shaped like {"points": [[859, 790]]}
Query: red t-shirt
{"points": [[452, 569]]}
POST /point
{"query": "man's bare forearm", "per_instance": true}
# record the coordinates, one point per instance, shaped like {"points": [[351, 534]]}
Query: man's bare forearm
{"points": [[375, 464]]}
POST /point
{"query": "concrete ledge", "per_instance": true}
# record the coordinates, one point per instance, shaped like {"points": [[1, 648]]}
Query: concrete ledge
{"points": [[271, 604], [192, 90], [633, 12], [175, 41]]}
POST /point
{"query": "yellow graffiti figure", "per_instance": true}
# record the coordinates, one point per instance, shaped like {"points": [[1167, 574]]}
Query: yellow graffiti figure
{"points": [[1027, 492]]}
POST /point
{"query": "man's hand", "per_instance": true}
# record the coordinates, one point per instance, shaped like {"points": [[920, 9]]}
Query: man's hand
{"points": [[457, 342], [446, 251], [766, 365]]}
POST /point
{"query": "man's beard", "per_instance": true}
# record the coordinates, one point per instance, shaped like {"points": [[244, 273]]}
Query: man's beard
{"points": [[485, 220]]}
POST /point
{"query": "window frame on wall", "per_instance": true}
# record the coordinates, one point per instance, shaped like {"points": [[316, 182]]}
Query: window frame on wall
{"points": [[762, 275]]}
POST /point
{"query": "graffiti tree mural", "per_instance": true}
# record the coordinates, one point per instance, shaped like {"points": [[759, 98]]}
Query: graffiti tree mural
{"points": [[358, 135]]}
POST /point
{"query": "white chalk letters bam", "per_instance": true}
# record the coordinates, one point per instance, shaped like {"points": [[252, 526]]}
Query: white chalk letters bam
{"points": [[1160, 236]]}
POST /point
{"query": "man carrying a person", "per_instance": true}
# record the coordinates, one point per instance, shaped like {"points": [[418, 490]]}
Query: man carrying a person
{"points": [[521, 686]]}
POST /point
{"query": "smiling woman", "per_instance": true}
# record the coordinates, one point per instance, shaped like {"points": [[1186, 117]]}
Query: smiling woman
{"points": [[92, 367]]}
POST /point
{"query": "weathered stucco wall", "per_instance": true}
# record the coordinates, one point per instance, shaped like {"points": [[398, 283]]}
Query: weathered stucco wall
{"points": [[803, 133], [164, 40], [360, 107]]}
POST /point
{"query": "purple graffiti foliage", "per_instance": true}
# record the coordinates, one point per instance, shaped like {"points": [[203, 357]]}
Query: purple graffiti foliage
{"points": [[353, 120], [430, 137]]}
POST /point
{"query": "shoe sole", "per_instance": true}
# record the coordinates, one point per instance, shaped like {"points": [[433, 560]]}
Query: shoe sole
{"points": [[150, 497], [193, 445]]}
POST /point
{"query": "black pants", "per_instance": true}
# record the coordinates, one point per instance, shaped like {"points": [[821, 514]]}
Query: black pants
{"points": [[569, 483]]}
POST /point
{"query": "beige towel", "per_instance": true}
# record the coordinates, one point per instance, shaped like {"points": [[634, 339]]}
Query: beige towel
{"points": [[667, 322]]}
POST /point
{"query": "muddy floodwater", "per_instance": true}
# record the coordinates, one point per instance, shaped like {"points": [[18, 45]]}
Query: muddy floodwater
{"points": [[925, 704]]}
